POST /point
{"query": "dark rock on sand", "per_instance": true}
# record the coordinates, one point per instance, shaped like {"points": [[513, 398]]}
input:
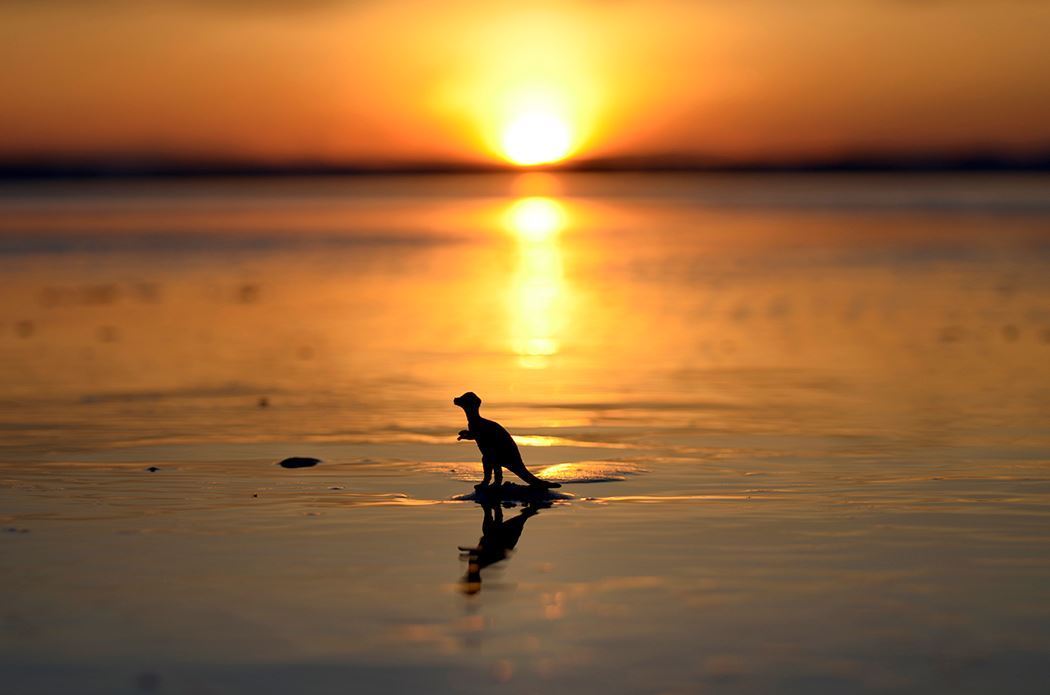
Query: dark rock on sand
{"points": [[152, 469], [299, 462]]}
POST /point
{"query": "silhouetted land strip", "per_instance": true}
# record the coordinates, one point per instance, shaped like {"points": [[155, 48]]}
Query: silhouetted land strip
{"points": [[972, 161]]}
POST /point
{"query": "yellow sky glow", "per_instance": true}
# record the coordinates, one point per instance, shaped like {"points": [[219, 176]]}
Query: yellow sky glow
{"points": [[464, 82]]}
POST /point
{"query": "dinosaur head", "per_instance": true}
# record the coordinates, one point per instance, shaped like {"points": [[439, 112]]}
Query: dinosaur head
{"points": [[468, 401]]}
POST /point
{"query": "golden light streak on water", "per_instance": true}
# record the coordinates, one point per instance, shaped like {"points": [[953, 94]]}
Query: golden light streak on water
{"points": [[539, 291]]}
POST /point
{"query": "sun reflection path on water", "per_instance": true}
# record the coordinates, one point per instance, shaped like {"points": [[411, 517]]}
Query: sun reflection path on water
{"points": [[538, 294]]}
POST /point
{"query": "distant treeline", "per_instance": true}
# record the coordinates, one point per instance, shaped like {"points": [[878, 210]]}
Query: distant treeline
{"points": [[51, 169]]}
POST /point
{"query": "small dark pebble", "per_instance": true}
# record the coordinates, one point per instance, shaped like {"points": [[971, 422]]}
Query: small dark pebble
{"points": [[108, 334], [12, 529], [335, 488], [952, 334], [299, 462], [264, 402], [255, 495], [248, 293], [152, 469], [25, 329]]}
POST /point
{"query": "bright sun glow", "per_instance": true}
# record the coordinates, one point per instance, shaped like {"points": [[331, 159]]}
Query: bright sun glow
{"points": [[536, 137]]}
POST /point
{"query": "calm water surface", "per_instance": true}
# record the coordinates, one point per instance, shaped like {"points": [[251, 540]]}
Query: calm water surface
{"points": [[801, 422]]}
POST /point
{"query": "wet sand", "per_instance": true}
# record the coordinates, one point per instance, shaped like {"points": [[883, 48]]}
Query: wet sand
{"points": [[800, 425]]}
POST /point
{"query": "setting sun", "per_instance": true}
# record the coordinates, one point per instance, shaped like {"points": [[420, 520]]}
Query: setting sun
{"points": [[536, 138]]}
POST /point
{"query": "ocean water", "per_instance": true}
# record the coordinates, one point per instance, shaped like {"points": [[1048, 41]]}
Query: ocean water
{"points": [[801, 424]]}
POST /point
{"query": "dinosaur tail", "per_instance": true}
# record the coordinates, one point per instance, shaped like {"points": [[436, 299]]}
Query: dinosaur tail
{"points": [[525, 474]]}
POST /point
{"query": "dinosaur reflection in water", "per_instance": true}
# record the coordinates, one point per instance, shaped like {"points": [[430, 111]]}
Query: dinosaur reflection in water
{"points": [[498, 538]]}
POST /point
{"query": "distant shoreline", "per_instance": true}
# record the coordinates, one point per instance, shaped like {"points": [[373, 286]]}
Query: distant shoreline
{"points": [[163, 169]]}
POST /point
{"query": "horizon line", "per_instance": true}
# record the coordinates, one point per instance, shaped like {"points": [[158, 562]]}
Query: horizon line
{"points": [[167, 167]]}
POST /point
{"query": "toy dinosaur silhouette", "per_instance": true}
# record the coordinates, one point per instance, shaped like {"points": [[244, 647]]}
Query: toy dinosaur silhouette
{"points": [[498, 450]]}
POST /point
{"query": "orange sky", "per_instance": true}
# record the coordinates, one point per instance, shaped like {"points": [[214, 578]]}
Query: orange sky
{"points": [[407, 82]]}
